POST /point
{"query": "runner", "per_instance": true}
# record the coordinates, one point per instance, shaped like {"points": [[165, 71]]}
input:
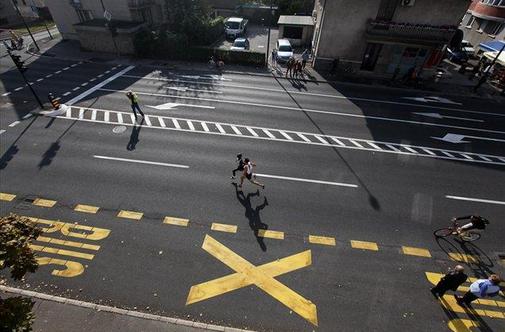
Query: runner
{"points": [[248, 173], [240, 166]]}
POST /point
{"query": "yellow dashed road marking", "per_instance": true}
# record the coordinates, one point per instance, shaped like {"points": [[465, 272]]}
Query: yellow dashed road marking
{"points": [[412, 251], [68, 243], [224, 228], [364, 245], [61, 251], [44, 202], [176, 221], [271, 234], [130, 215], [86, 208], [328, 241], [7, 197], [463, 258]]}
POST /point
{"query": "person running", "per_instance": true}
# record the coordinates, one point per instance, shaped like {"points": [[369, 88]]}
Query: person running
{"points": [[481, 288], [476, 222], [240, 166], [134, 100], [274, 57], [248, 174], [305, 57]]}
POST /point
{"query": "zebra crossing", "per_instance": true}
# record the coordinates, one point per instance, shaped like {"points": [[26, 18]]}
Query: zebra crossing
{"points": [[273, 134]]}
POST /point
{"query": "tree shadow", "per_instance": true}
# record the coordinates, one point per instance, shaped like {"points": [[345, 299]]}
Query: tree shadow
{"points": [[134, 137], [16, 314], [253, 215]]}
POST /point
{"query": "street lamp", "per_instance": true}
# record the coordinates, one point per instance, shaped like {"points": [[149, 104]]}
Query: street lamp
{"points": [[269, 26]]}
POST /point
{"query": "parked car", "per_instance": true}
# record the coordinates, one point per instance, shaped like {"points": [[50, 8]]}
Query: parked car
{"points": [[235, 27], [240, 44], [284, 50]]}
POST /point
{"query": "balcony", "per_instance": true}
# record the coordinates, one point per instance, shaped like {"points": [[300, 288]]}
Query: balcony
{"points": [[139, 4], [409, 33]]}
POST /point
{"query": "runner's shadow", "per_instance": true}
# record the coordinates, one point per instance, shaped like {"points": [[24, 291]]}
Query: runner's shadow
{"points": [[253, 215], [134, 137]]}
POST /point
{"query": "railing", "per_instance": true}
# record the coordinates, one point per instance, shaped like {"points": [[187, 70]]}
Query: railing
{"points": [[410, 31], [133, 4]]}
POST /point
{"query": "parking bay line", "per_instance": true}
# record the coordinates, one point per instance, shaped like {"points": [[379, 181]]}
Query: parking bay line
{"points": [[471, 199], [307, 180], [141, 161], [291, 108]]}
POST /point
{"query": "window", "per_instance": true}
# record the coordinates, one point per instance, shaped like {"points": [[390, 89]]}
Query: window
{"points": [[84, 15], [498, 3], [480, 24], [470, 21], [493, 28]]}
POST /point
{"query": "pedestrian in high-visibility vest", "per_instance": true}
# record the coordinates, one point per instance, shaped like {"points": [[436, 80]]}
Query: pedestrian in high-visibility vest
{"points": [[134, 100]]}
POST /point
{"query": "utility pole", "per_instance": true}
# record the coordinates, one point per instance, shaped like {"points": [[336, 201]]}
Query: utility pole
{"points": [[15, 3], [269, 26], [111, 27], [484, 77]]}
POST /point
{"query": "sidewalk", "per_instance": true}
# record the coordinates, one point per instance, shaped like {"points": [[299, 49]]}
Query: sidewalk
{"points": [[55, 314], [456, 85]]}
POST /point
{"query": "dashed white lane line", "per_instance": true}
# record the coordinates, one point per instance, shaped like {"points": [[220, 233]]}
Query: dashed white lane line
{"points": [[58, 72], [2, 131], [99, 76], [76, 88], [141, 161], [40, 79], [307, 180], [27, 116], [17, 89], [6, 94], [84, 84], [92, 79], [472, 199], [15, 123], [66, 68], [49, 75], [66, 93]]}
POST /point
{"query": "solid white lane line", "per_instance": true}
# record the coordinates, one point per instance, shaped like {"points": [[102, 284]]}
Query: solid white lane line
{"points": [[15, 123], [2, 131], [431, 153], [303, 137], [190, 125], [235, 129], [307, 180], [221, 130], [141, 161], [17, 89], [148, 121], [66, 93], [6, 94], [176, 123], [98, 86], [120, 117], [269, 134], [249, 129], [322, 140], [291, 108], [479, 200], [283, 133], [204, 126], [356, 143], [336, 140], [162, 123]]}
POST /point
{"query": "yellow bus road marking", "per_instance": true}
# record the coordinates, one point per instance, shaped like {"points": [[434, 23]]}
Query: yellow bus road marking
{"points": [[95, 233], [412, 251], [449, 302], [72, 269], [464, 258], [86, 208], [262, 276], [271, 234], [176, 221], [130, 215], [61, 252], [44, 202], [364, 245], [7, 197], [434, 278], [224, 228], [328, 241], [68, 243]]}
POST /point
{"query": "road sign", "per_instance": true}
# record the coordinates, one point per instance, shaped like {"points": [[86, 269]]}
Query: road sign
{"points": [[107, 15], [262, 276]]}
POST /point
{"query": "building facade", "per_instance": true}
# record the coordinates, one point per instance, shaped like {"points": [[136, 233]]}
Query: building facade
{"points": [[28, 9], [484, 22], [384, 36]]}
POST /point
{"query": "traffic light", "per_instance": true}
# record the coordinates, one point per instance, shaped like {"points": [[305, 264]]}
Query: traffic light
{"points": [[54, 101], [20, 64]]}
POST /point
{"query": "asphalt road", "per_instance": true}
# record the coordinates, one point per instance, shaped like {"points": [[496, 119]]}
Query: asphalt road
{"points": [[357, 179]]}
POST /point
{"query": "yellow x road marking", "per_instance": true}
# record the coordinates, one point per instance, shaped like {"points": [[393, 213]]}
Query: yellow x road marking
{"points": [[262, 276]]}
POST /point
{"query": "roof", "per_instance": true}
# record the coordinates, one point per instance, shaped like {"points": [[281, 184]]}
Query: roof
{"points": [[284, 42], [234, 19], [295, 20], [493, 46], [492, 55]]}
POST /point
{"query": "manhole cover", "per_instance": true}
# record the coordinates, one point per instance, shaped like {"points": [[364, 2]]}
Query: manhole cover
{"points": [[119, 129]]}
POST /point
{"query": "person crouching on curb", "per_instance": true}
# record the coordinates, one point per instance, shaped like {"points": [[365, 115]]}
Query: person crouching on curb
{"points": [[479, 289]]}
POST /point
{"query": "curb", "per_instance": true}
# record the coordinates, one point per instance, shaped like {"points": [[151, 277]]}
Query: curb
{"points": [[114, 310]]}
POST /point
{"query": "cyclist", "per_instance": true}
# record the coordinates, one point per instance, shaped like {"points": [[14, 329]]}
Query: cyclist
{"points": [[476, 222]]}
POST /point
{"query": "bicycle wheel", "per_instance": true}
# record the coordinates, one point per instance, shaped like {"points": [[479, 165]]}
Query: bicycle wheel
{"points": [[443, 232], [470, 236]]}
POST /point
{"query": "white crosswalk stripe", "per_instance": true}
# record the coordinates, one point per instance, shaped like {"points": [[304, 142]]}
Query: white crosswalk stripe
{"points": [[188, 125]]}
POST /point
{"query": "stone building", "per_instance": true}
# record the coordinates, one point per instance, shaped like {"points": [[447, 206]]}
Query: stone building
{"points": [[28, 9], [384, 36]]}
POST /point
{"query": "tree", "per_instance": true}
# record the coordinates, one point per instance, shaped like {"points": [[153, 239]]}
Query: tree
{"points": [[189, 17], [16, 234]]}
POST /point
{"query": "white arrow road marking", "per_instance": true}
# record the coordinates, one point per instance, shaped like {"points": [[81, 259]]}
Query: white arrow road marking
{"points": [[456, 138], [433, 99], [440, 116], [480, 200], [307, 180], [141, 161], [169, 106]]}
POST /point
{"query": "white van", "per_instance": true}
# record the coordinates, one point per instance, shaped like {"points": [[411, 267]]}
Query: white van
{"points": [[235, 27], [284, 50]]}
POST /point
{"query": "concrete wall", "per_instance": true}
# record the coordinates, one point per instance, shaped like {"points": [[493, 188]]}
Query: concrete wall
{"points": [[100, 40], [433, 12], [64, 16]]}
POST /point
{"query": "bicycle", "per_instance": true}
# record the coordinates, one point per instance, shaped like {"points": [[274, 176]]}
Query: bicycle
{"points": [[465, 236]]}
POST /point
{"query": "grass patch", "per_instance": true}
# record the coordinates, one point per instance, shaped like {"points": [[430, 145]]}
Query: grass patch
{"points": [[34, 27]]}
